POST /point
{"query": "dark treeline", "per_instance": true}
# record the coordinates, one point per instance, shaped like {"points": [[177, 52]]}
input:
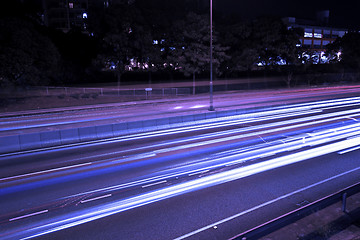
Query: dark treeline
{"points": [[152, 40]]}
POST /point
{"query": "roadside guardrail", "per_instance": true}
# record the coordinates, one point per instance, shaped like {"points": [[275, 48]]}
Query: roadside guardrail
{"points": [[291, 217]]}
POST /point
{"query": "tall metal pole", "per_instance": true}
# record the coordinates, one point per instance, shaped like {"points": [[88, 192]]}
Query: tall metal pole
{"points": [[211, 107]]}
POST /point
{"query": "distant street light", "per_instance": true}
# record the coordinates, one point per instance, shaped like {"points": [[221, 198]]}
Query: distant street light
{"points": [[211, 107]]}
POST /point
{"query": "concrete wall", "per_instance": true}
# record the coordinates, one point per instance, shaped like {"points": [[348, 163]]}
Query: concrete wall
{"points": [[9, 144]]}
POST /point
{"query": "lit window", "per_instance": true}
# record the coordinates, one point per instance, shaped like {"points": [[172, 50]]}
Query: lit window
{"points": [[307, 34], [317, 35], [317, 42], [307, 42], [341, 33], [71, 5]]}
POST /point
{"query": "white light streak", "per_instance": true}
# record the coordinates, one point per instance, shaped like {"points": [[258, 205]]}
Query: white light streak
{"points": [[349, 150], [153, 184], [189, 186], [28, 215], [96, 198], [45, 171]]}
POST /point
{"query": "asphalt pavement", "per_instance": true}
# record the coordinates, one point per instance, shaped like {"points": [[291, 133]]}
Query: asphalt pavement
{"points": [[130, 186]]}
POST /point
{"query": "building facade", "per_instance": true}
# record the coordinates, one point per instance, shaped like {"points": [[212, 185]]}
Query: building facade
{"points": [[317, 34], [315, 37], [65, 14]]}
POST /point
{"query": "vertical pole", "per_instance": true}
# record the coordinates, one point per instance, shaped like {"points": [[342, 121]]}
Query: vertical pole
{"points": [[68, 15], [343, 208], [211, 107]]}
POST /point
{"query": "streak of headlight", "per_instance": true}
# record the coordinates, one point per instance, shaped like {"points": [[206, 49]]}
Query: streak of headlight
{"points": [[349, 150], [230, 138], [275, 110], [233, 157], [305, 105], [175, 190]]}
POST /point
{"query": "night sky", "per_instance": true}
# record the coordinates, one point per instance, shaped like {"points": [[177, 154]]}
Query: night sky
{"points": [[343, 13]]}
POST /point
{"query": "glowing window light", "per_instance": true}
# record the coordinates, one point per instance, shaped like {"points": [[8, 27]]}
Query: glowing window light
{"points": [[317, 35], [307, 34]]}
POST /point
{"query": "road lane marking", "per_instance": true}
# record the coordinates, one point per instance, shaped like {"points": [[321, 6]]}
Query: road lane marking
{"points": [[190, 186], [153, 184], [45, 171], [28, 215], [263, 205], [96, 198]]}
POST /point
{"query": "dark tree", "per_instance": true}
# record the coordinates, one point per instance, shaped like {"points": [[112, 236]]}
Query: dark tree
{"points": [[192, 52], [347, 50], [27, 56], [243, 50]]}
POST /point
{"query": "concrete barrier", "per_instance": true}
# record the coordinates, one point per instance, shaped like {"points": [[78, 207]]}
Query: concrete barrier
{"points": [[49, 139], [9, 144], [188, 118], [87, 133], [30, 141], [135, 125], [16, 143], [149, 124], [200, 116], [162, 121], [69, 136], [177, 119], [210, 115], [104, 131], [119, 128]]}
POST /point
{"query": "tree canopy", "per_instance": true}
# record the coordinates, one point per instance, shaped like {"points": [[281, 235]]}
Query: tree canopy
{"points": [[27, 56], [149, 37]]}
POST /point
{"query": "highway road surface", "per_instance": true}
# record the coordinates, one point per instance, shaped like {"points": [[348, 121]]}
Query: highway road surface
{"points": [[209, 179]]}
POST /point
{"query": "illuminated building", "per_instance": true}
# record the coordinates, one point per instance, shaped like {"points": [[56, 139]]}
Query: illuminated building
{"points": [[65, 14], [317, 34]]}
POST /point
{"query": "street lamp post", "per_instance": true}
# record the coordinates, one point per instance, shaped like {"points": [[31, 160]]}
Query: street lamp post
{"points": [[211, 107]]}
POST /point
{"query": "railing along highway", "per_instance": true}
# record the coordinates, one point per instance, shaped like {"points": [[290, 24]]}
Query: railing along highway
{"points": [[291, 217]]}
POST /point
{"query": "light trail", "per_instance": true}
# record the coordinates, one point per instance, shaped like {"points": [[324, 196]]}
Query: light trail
{"points": [[245, 157], [323, 142], [28, 215], [186, 127], [186, 187], [233, 157], [45, 171], [96, 198]]}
